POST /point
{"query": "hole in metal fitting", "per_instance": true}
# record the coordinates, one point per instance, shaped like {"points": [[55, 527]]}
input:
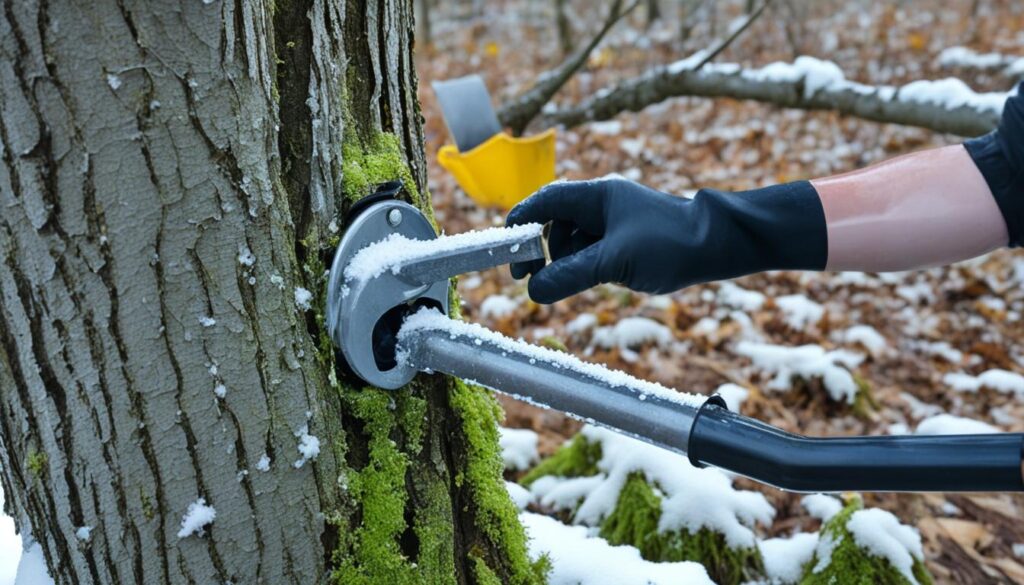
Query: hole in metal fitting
{"points": [[385, 332]]}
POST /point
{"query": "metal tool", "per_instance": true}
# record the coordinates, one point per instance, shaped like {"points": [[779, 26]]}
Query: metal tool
{"points": [[364, 316]]}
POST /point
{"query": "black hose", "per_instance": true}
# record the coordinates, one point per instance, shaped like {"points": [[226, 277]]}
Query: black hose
{"points": [[913, 463]]}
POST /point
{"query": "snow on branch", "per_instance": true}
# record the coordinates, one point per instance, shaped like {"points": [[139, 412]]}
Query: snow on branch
{"points": [[518, 113], [962, 57], [946, 105]]}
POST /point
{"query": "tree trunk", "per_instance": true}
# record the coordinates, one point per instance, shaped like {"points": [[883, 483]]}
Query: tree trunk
{"points": [[565, 37], [423, 8], [653, 12], [170, 177]]}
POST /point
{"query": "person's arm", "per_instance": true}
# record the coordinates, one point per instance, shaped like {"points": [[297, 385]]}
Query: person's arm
{"points": [[920, 210]]}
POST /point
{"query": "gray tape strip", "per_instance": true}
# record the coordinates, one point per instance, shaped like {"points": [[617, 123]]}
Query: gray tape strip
{"points": [[467, 110]]}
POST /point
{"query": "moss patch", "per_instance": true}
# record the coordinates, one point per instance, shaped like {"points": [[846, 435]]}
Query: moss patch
{"points": [[380, 490], [378, 160], [496, 516], [36, 464], [375, 539], [853, 565], [577, 459], [635, 522], [864, 400]]}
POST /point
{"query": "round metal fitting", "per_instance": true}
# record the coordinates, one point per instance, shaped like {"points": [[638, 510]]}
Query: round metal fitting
{"points": [[394, 216], [358, 311]]}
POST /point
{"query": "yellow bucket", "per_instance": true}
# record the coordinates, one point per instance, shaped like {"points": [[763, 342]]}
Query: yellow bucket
{"points": [[503, 170]]}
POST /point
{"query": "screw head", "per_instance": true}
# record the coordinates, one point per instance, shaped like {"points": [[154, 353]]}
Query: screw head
{"points": [[394, 217]]}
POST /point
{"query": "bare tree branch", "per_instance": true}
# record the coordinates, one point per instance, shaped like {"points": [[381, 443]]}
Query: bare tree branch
{"points": [[518, 113], [947, 106], [724, 43]]}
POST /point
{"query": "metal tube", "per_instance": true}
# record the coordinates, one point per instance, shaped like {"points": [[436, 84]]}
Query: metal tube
{"points": [[711, 435], [905, 463], [628, 408]]}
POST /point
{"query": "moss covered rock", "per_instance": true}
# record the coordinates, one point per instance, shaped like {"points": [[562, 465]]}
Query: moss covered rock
{"points": [[866, 547], [648, 498]]}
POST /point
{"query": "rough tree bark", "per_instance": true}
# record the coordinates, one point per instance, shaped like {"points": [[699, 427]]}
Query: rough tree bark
{"points": [[170, 176]]}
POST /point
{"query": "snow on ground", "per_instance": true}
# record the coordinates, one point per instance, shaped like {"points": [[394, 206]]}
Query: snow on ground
{"points": [[784, 558], [799, 311], [737, 297], [28, 567], [965, 57], [498, 306], [32, 569], [632, 332], [805, 361], [10, 546], [576, 557], [821, 506], [692, 498], [521, 496], [518, 448], [868, 337], [940, 349], [881, 533], [996, 379], [733, 394], [581, 324], [947, 424]]}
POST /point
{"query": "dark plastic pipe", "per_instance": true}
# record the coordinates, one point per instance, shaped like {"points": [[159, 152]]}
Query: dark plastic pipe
{"points": [[953, 463]]}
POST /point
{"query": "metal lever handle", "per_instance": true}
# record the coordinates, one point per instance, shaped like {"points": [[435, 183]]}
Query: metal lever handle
{"points": [[704, 429], [457, 258], [588, 392]]}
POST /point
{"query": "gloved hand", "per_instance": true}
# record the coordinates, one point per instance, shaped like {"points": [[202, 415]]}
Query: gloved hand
{"points": [[615, 230]]}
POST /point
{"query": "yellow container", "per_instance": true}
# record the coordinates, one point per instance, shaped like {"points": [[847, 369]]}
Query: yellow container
{"points": [[503, 170]]}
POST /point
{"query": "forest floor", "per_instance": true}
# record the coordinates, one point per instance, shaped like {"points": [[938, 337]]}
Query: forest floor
{"points": [[912, 329]]}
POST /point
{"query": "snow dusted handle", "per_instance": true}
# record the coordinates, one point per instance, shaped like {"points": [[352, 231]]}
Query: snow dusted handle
{"points": [[423, 262], [431, 342], [703, 428]]}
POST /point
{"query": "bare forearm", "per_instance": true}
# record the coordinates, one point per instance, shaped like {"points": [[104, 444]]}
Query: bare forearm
{"points": [[919, 210]]}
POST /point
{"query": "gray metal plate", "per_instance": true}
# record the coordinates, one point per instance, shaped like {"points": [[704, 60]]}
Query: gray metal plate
{"points": [[354, 308]]}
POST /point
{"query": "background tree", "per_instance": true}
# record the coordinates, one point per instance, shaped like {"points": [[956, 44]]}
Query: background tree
{"points": [[172, 183]]}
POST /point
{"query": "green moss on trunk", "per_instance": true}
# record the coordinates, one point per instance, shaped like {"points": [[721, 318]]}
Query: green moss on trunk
{"points": [[378, 160], [496, 516], [369, 550], [380, 490]]}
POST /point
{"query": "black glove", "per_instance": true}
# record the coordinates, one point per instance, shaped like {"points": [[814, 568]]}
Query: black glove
{"points": [[615, 230]]}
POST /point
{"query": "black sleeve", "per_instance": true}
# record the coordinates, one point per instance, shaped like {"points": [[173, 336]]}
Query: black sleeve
{"points": [[1000, 158]]}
